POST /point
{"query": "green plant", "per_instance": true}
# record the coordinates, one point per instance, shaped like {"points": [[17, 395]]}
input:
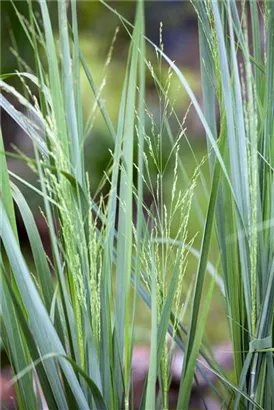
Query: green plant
{"points": [[71, 325], [71, 321], [244, 209]]}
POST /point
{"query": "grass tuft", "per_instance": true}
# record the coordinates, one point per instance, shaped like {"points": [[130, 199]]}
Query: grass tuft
{"points": [[69, 323]]}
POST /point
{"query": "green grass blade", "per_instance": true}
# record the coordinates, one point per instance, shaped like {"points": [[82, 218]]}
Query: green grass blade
{"points": [[207, 75], [68, 93], [44, 332], [124, 234], [41, 263], [108, 253], [21, 119], [140, 21], [200, 276], [54, 80], [76, 71], [256, 36], [32, 348], [16, 346], [5, 191], [186, 386], [152, 371]]}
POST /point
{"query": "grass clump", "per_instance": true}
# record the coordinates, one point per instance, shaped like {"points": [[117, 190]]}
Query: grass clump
{"points": [[71, 325]]}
